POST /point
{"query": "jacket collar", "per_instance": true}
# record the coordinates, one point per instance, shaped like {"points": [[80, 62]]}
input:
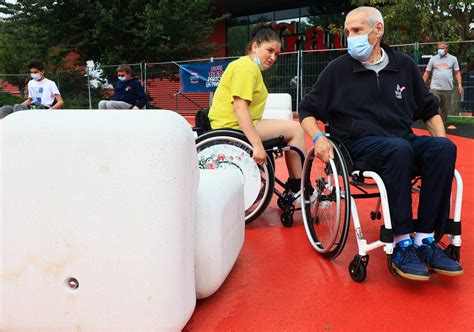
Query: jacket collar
{"points": [[357, 66]]}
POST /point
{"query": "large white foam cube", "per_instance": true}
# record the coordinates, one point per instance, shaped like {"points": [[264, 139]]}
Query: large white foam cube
{"points": [[220, 227], [278, 106], [97, 221]]}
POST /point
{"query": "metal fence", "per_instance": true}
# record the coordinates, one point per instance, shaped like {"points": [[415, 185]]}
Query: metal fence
{"points": [[294, 73]]}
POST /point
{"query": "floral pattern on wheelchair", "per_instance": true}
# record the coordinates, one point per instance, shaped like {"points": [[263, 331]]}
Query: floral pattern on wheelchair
{"points": [[223, 156]]}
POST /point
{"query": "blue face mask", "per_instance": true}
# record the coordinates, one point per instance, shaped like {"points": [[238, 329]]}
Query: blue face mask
{"points": [[359, 47], [36, 76], [256, 59], [441, 52], [122, 78]]}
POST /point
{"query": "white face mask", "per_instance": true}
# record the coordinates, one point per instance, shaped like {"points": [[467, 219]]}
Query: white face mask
{"points": [[256, 59], [36, 76]]}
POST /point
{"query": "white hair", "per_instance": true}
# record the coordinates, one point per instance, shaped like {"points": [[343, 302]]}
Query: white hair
{"points": [[372, 16]]}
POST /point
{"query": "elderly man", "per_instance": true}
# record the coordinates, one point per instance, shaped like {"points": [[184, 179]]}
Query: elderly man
{"points": [[370, 97], [128, 93], [442, 67]]}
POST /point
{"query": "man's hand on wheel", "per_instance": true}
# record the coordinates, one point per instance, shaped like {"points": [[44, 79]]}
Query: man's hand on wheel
{"points": [[323, 149]]}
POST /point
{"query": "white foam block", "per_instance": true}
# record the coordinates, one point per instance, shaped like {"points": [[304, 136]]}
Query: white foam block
{"points": [[220, 227], [278, 106], [106, 198]]}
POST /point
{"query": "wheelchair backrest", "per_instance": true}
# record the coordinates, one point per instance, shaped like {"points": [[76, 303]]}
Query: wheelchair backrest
{"points": [[202, 121]]}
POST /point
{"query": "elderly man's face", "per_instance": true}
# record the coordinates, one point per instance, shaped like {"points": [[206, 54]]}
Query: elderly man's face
{"points": [[356, 25], [443, 47]]}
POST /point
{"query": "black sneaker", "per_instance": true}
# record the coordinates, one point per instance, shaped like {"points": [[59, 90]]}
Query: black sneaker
{"points": [[436, 259], [407, 263]]}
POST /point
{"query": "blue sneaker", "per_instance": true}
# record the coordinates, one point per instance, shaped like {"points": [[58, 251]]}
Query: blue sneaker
{"points": [[407, 263], [435, 258]]}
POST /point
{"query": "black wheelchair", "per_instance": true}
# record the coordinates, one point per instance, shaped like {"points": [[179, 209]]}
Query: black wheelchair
{"points": [[338, 184], [223, 148]]}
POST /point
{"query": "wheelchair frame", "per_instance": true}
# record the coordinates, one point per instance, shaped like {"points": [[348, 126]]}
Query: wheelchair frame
{"points": [[275, 149], [356, 178]]}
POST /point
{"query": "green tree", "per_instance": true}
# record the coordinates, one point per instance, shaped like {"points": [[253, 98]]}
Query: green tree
{"points": [[115, 31], [407, 21], [17, 49]]}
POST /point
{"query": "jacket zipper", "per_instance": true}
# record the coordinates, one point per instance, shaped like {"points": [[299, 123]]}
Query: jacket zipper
{"points": [[384, 118]]}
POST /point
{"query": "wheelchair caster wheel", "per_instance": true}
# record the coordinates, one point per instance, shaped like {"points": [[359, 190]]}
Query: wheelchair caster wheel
{"points": [[358, 268], [453, 252], [281, 203], [287, 218], [375, 215]]}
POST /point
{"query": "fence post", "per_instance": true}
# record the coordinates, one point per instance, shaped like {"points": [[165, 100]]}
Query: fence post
{"points": [[301, 78], [211, 94], [416, 52], [89, 87], [297, 79]]}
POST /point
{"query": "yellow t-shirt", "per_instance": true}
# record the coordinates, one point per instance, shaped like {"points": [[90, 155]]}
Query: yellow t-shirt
{"points": [[242, 78]]}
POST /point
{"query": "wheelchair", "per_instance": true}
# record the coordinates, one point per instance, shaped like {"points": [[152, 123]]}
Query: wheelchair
{"points": [[222, 148], [338, 184]]}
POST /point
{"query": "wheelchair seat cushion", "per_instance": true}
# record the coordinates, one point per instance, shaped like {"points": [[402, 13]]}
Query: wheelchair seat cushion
{"points": [[278, 142]]}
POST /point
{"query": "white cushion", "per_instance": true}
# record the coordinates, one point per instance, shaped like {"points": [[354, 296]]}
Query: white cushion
{"points": [[278, 106]]}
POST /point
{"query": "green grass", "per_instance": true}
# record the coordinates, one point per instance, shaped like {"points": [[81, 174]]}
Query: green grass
{"points": [[460, 119]]}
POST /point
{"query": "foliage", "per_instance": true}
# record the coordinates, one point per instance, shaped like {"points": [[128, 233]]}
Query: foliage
{"points": [[407, 21], [8, 99], [115, 31], [19, 45]]}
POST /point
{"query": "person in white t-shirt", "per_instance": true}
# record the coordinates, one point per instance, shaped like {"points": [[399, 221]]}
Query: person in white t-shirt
{"points": [[42, 92]]}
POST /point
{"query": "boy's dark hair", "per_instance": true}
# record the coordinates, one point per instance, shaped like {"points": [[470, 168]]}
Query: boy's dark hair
{"points": [[37, 64], [264, 32]]}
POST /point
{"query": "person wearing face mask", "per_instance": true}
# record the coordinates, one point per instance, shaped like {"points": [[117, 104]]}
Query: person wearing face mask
{"points": [[128, 93], [370, 98], [442, 67], [42, 92], [240, 98]]}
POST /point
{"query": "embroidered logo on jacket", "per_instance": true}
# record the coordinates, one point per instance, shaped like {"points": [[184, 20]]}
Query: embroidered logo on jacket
{"points": [[398, 91]]}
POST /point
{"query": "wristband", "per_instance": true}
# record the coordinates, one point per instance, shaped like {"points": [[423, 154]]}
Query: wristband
{"points": [[315, 138]]}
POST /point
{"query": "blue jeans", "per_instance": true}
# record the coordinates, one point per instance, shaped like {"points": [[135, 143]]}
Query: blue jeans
{"points": [[396, 160]]}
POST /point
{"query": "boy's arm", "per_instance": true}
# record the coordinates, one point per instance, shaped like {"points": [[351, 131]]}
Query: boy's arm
{"points": [[27, 102], [59, 102]]}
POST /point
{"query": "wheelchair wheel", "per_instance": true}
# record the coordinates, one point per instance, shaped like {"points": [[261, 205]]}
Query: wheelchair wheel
{"points": [[228, 148], [326, 217]]}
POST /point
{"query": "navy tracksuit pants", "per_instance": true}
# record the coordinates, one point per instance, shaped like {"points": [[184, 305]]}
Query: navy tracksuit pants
{"points": [[394, 159]]}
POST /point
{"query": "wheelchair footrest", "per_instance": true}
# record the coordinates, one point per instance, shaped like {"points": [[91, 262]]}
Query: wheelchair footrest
{"points": [[386, 235], [453, 228], [390, 267]]}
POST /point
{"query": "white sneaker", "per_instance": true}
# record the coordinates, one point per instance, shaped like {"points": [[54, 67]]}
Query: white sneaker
{"points": [[298, 197]]}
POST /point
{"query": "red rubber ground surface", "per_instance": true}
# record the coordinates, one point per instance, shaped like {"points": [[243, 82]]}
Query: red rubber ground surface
{"points": [[280, 283]]}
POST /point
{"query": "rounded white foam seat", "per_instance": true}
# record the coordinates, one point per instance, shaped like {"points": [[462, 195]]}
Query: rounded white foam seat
{"points": [[97, 221], [220, 227], [278, 106]]}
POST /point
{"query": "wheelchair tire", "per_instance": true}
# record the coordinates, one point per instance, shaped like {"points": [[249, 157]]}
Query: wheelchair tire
{"points": [[327, 216], [238, 140]]}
